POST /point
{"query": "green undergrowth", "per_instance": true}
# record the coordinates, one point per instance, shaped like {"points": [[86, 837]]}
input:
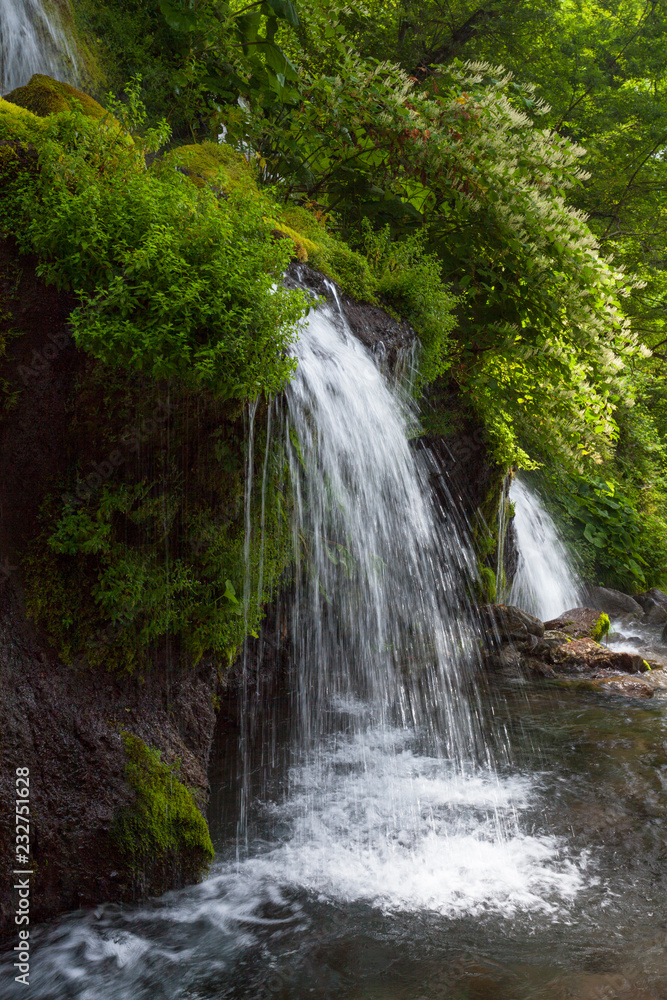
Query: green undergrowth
{"points": [[142, 550], [163, 826], [613, 524]]}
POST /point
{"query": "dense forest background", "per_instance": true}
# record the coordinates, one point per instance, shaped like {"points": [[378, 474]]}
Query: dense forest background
{"points": [[495, 175], [517, 152]]}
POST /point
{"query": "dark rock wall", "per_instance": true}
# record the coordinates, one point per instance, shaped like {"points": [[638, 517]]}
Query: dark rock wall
{"points": [[64, 721]]}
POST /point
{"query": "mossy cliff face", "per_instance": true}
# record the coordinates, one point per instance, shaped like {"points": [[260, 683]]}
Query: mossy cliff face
{"points": [[163, 828], [122, 562]]}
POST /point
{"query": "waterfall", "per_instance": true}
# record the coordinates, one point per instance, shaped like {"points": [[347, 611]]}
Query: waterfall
{"points": [[371, 793], [545, 582], [388, 789], [33, 39], [380, 615]]}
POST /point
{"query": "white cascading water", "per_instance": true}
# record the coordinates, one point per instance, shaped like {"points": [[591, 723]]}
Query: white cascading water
{"points": [[545, 582], [393, 795], [382, 791], [33, 39]]}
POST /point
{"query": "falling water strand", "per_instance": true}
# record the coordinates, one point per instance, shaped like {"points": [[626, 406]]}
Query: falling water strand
{"points": [[545, 582], [33, 39], [265, 479], [247, 588]]}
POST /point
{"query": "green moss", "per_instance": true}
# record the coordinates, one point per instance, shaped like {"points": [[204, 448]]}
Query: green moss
{"points": [[44, 96], [487, 583], [601, 627], [303, 247], [18, 124], [214, 164], [163, 826]]}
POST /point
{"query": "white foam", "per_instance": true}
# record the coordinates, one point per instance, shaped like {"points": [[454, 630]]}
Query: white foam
{"points": [[407, 832]]}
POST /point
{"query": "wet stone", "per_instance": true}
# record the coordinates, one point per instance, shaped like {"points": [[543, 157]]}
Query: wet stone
{"points": [[613, 602], [629, 687], [510, 623], [586, 656], [578, 623]]}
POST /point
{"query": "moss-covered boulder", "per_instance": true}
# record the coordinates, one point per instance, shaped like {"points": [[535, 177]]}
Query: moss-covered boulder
{"points": [[581, 623], [216, 165], [18, 124], [44, 96], [163, 827]]}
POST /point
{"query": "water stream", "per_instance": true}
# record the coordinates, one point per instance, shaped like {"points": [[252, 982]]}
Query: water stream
{"points": [[34, 39], [545, 581]]}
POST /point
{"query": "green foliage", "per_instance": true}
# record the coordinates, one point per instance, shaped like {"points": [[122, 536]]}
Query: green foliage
{"points": [[163, 826], [622, 543], [171, 280], [544, 344], [410, 280], [602, 626]]}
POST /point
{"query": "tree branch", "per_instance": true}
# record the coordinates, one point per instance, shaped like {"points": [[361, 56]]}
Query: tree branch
{"points": [[458, 38]]}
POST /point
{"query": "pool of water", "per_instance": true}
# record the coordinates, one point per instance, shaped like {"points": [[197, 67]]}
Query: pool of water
{"points": [[332, 895]]}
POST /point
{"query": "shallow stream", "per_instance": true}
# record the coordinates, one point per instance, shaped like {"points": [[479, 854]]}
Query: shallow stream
{"points": [[570, 905]]}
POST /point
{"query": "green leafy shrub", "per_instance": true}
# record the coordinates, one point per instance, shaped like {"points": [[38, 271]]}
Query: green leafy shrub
{"points": [[171, 280], [410, 280], [619, 542]]}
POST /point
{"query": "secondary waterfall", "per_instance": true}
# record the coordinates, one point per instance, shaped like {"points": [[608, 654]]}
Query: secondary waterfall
{"points": [[545, 582], [33, 39]]}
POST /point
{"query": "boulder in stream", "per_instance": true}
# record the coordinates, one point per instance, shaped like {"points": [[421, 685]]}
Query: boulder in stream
{"points": [[654, 603], [630, 686], [580, 623], [509, 623], [587, 656], [614, 602]]}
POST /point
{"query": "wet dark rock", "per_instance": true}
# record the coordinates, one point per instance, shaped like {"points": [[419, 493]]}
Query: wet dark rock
{"points": [[540, 667], [508, 658], [650, 598], [385, 336], [551, 639], [614, 602], [629, 687], [510, 623], [577, 623], [654, 603], [587, 656]]}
